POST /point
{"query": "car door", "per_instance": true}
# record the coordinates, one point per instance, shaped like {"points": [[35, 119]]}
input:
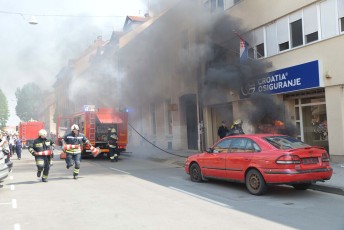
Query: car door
{"points": [[239, 158], [214, 163]]}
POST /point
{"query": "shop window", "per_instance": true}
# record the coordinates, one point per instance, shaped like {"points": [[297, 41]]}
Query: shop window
{"points": [[341, 21], [315, 125]]}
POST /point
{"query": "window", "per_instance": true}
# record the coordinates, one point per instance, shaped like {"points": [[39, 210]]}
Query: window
{"points": [[328, 22], [258, 42], [260, 50], [296, 33], [220, 4], [243, 145], [282, 33], [222, 146], [283, 46], [310, 18], [340, 4], [214, 4], [312, 37], [271, 40], [238, 145]]}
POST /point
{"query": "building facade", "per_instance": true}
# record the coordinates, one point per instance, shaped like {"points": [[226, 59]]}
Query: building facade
{"points": [[303, 41]]}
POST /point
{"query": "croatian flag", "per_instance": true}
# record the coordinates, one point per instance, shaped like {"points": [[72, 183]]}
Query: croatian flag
{"points": [[243, 49]]}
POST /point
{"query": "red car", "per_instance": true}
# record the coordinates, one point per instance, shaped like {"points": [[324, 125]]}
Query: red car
{"points": [[260, 160]]}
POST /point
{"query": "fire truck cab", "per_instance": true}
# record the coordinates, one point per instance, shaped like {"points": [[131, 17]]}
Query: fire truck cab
{"points": [[96, 124]]}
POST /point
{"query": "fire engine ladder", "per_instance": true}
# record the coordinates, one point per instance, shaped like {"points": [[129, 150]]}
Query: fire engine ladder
{"points": [[92, 128]]}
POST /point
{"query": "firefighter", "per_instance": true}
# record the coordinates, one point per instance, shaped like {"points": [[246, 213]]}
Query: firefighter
{"points": [[236, 128], [113, 146], [42, 149], [72, 143]]}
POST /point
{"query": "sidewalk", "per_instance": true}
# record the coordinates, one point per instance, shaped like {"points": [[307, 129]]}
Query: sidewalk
{"points": [[335, 185]]}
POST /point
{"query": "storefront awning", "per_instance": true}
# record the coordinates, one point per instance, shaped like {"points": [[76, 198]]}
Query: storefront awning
{"points": [[109, 118]]}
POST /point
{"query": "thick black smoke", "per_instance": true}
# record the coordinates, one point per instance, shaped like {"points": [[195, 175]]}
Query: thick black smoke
{"points": [[226, 76]]}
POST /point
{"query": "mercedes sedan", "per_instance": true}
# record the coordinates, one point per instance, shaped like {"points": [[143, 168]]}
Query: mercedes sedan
{"points": [[261, 160]]}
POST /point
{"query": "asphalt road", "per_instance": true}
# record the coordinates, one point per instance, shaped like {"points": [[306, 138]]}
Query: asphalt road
{"points": [[138, 193]]}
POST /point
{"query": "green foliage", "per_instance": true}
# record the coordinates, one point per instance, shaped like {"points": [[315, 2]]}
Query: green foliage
{"points": [[4, 111], [29, 101]]}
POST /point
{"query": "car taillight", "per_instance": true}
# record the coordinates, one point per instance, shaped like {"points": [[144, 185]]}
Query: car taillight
{"points": [[325, 157], [288, 159]]}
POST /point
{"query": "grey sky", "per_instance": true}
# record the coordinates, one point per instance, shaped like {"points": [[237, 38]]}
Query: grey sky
{"points": [[35, 53]]}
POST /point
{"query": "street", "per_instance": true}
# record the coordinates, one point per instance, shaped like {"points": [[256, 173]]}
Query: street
{"points": [[140, 193]]}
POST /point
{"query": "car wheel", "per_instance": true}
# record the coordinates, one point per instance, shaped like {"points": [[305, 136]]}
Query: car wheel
{"points": [[255, 182], [195, 173], [303, 186]]}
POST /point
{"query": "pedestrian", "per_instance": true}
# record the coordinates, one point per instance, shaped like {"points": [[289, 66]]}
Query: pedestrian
{"points": [[41, 148], [18, 147], [72, 143], [222, 130], [11, 144], [113, 145]]}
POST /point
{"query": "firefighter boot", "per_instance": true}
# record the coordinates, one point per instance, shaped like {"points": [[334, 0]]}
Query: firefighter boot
{"points": [[116, 157], [39, 173], [75, 176], [44, 179]]}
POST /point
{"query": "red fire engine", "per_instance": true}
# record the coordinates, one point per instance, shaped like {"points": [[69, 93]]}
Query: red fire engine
{"points": [[28, 131], [95, 125]]}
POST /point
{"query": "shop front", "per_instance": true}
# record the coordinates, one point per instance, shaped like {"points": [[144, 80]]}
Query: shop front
{"points": [[303, 94]]}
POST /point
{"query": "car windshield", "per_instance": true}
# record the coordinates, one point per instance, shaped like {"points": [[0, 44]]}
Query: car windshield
{"points": [[285, 142]]}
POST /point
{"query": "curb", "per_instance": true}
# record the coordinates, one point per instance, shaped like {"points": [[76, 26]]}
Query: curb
{"points": [[328, 189]]}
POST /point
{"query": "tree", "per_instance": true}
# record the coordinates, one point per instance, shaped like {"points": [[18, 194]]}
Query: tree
{"points": [[29, 100], [4, 111]]}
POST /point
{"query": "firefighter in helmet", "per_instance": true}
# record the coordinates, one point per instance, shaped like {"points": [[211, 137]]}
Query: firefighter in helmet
{"points": [[42, 149], [113, 145], [236, 128], [72, 143]]}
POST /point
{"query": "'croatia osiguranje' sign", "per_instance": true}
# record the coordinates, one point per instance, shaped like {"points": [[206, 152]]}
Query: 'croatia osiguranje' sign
{"points": [[299, 77]]}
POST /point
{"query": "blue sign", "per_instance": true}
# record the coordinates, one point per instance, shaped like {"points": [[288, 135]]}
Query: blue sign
{"points": [[299, 77]]}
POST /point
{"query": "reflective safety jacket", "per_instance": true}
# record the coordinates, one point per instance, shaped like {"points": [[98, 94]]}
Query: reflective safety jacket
{"points": [[113, 138], [41, 147], [73, 142]]}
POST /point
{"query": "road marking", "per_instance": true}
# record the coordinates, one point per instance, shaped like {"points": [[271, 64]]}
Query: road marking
{"points": [[120, 171], [12, 187], [11, 177], [14, 203], [17, 227], [200, 197]]}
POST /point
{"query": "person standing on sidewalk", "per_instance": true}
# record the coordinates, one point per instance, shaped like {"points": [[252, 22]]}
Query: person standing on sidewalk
{"points": [[222, 130], [72, 143], [41, 148]]}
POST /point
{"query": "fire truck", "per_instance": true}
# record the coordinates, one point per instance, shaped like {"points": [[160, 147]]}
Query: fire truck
{"points": [[95, 124], [28, 131]]}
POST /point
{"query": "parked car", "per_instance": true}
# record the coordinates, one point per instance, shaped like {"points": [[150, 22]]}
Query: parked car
{"points": [[4, 170], [261, 160]]}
